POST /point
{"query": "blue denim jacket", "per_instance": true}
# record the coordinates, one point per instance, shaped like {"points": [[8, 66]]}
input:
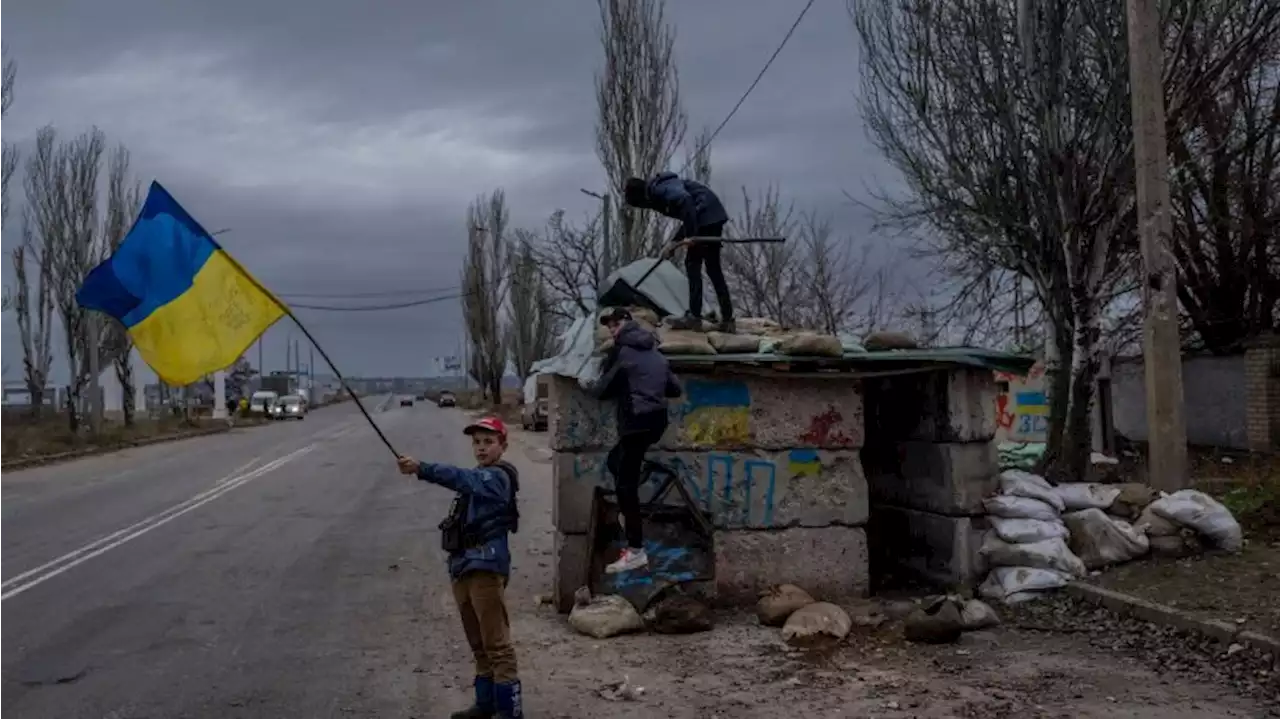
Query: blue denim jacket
{"points": [[489, 490]]}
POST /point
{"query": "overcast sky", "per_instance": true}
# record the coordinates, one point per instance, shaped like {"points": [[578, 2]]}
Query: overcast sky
{"points": [[341, 141]]}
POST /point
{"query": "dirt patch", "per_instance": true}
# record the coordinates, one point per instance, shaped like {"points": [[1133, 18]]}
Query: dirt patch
{"points": [[1240, 588], [27, 442]]}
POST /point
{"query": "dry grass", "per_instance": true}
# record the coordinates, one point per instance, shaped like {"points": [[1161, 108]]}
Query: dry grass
{"points": [[50, 435]]}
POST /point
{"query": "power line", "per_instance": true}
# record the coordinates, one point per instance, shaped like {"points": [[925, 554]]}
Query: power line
{"points": [[366, 295], [752, 87]]}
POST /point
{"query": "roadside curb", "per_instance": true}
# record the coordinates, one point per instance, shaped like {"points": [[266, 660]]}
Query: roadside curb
{"points": [[1129, 605], [47, 459]]}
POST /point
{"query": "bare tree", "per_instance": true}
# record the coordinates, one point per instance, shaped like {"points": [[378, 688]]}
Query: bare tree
{"points": [[571, 262], [844, 291], [698, 157], [765, 279], [640, 121], [529, 327], [33, 308], [484, 287], [123, 197], [1010, 123], [9, 160], [62, 186]]}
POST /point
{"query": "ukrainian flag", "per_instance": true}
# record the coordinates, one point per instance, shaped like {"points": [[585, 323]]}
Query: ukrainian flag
{"points": [[190, 308]]}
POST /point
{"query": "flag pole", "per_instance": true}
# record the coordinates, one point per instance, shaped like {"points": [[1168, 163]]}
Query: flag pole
{"points": [[310, 338]]}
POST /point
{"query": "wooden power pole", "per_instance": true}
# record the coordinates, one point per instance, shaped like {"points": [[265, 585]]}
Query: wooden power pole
{"points": [[1166, 421]]}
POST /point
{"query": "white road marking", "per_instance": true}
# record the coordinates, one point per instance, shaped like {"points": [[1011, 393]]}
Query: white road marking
{"points": [[15, 586], [240, 470]]}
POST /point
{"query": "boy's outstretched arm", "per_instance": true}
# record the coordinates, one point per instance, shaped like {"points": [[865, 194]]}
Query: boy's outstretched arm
{"points": [[487, 482]]}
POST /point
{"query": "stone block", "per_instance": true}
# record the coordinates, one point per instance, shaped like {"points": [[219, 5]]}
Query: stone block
{"points": [[734, 412], [829, 562], [756, 489], [572, 555], [949, 478], [955, 405], [939, 548]]}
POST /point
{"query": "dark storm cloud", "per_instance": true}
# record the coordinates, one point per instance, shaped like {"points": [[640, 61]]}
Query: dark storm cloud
{"points": [[341, 141]]}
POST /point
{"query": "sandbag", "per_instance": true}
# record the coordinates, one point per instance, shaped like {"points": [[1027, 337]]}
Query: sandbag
{"points": [[727, 344], [762, 326], [683, 342], [1100, 541], [1014, 584], [1132, 500], [645, 317], [1153, 525], [1017, 483], [1197, 510], [679, 614], [1045, 554], [1086, 495], [977, 614], [811, 344], [889, 340], [1003, 505], [778, 602], [938, 622], [1021, 531], [604, 616], [817, 624]]}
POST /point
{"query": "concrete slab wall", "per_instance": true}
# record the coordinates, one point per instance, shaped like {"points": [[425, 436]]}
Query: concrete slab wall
{"points": [[775, 459]]}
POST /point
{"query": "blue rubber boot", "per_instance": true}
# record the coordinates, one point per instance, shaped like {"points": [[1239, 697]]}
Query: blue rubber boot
{"points": [[510, 704], [485, 706]]}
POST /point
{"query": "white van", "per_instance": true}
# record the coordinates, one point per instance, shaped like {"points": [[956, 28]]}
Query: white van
{"points": [[262, 401]]}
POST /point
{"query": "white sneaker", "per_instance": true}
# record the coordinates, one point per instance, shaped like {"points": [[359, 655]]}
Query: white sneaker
{"points": [[630, 559]]}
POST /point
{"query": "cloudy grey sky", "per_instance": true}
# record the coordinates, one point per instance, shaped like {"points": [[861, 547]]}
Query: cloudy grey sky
{"points": [[342, 140]]}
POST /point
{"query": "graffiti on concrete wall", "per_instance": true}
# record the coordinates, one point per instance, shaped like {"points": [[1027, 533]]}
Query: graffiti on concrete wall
{"points": [[716, 413], [1022, 406], [826, 430]]}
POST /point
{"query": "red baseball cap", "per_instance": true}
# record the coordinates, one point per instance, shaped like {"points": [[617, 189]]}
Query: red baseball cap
{"points": [[487, 424]]}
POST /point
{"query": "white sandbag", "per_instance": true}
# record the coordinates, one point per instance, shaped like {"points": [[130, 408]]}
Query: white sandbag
{"points": [[1013, 584], [1045, 554], [1021, 531], [683, 342], [1004, 505], [811, 344], [605, 616], [1086, 495], [977, 614], [1017, 483], [758, 326], [779, 602], [1153, 525], [816, 624], [1204, 514], [1100, 541], [727, 344]]}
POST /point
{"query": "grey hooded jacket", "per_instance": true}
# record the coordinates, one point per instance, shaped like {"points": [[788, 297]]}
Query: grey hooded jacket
{"points": [[638, 376]]}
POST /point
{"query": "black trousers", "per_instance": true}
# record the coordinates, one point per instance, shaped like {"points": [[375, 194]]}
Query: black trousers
{"points": [[707, 254], [624, 462]]}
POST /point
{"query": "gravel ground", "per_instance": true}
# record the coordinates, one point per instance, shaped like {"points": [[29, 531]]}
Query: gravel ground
{"points": [[1239, 668]]}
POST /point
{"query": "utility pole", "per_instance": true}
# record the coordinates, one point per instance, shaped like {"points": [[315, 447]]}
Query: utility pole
{"points": [[262, 369], [1166, 421], [606, 229]]}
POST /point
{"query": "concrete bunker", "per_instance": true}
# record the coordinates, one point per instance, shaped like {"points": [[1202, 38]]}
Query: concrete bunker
{"points": [[818, 472]]}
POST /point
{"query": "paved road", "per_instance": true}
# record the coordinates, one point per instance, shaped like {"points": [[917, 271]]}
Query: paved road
{"points": [[278, 571]]}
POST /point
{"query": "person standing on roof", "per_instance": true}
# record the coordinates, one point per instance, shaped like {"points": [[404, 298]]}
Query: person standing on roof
{"points": [[639, 377], [701, 214]]}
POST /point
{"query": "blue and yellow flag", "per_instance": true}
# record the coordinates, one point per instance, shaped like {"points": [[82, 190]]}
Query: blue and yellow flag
{"points": [[190, 308]]}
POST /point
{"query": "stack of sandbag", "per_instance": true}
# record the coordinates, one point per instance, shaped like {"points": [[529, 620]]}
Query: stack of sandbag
{"points": [[1026, 548], [1097, 537], [643, 316], [1194, 510]]}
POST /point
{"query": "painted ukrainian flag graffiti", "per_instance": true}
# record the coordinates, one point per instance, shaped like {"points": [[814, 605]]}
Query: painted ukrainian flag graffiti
{"points": [[717, 413], [804, 463]]}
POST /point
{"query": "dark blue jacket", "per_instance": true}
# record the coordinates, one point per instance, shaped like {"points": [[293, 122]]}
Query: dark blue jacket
{"points": [[489, 490], [638, 376], [689, 201]]}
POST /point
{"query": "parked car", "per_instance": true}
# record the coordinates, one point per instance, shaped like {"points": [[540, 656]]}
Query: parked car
{"points": [[447, 400], [262, 401], [533, 415], [406, 401], [290, 406]]}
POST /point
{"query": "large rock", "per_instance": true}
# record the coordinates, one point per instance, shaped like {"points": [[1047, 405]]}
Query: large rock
{"points": [[779, 602], [819, 624]]}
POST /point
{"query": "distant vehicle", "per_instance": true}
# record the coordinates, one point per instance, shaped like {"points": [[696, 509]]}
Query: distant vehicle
{"points": [[447, 400], [262, 401], [290, 407], [406, 401]]}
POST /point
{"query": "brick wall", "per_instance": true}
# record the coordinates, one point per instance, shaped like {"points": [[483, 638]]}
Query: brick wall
{"points": [[1262, 394]]}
